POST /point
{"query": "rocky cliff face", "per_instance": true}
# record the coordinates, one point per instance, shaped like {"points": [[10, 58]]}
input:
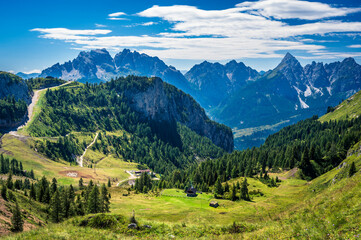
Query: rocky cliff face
{"points": [[287, 94], [163, 102], [12, 85], [213, 82]]}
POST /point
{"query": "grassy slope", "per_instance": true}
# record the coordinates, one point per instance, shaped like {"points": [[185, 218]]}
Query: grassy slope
{"points": [[34, 214], [328, 207], [296, 210], [350, 108], [20, 148]]}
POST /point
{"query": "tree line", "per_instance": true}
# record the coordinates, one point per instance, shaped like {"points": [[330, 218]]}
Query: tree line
{"points": [[105, 107], [61, 202], [310, 145]]}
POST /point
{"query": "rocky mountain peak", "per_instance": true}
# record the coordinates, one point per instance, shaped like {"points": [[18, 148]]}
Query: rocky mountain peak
{"points": [[292, 70]]}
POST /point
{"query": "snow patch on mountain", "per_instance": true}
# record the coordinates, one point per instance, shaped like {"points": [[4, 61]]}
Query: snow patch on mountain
{"points": [[329, 89], [302, 103], [308, 91]]}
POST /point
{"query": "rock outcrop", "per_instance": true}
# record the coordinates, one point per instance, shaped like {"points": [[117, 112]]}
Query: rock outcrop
{"points": [[163, 102], [12, 85]]}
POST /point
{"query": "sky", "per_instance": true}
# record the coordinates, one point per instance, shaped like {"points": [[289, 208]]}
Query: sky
{"points": [[37, 34]]}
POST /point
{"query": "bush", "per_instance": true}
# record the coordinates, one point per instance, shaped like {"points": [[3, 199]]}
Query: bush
{"points": [[103, 221]]}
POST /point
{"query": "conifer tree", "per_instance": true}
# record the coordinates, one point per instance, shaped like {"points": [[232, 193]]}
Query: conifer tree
{"points": [[81, 183], [93, 200], [9, 181], [17, 221], [234, 193], [244, 191], [104, 199], [218, 187], [32, 192], [352, 170], [109, 183], [226, 187], [65, 203], [79, 206], [53, 186], [55, 207], [4, 192]]}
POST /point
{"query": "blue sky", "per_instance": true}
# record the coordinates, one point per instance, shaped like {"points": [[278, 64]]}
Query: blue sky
{"points": [[37, 34]]}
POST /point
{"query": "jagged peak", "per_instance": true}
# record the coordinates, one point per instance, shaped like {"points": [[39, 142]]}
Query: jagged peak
{"points": [[289, 57], [349, 60]]}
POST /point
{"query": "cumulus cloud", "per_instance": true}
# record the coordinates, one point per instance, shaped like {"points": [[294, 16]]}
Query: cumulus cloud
{"points": [[248, 30], [286, 9]]}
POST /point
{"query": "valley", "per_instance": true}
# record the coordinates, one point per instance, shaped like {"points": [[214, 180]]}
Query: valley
{"points": [[278, 174], [180, 120]]}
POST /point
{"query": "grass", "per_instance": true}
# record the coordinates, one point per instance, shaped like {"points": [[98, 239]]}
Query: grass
{"points": [[108, 167], [350, 108], [295, 210]]}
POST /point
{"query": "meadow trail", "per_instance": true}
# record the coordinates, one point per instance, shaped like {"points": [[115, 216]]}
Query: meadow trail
{"points": [[80, 159], [31, 106]]}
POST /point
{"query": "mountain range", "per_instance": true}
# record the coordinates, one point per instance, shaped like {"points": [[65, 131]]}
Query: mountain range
{"points": [[254, 104]]}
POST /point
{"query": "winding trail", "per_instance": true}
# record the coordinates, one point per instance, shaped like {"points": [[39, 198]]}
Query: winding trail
{"points": [[80, 159], [34, 101]]}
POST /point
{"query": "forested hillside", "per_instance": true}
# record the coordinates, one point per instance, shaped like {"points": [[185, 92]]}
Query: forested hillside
{"points": [[157, 136], [313, 146]]}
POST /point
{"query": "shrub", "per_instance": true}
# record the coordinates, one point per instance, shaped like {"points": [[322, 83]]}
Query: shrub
{"points": [[102, 221]]}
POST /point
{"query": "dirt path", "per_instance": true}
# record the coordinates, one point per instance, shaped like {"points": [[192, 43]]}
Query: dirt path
{"points": [[80, 159], [131, 177], [34, 101]]}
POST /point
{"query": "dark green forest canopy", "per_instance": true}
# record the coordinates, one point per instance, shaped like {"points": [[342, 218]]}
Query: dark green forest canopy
{"points": [[310, 145], [38, 83], [12, 110], [163, 146]]}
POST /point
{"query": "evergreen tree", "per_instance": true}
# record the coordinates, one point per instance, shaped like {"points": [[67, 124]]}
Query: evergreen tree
{"points": [[226, 187], [9, 181], [234, 193], [352, 170], [305, 164], [79, 206], [17, 221], [32, 192], [4, 192], [53, 186], [93, 200], [218, 187], [109, 183], [244, 191], [55, 207], [65, 203], [238, 185], [81, 183], [104, 199]]}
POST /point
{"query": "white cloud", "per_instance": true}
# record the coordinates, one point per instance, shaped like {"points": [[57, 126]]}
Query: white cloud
{"points": [[33, 71], [69, 34], [249, 30], [116, 14], [117, 19], [148, 23], [100, 25], [286, 9], [355, 46], [142, 24]]}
